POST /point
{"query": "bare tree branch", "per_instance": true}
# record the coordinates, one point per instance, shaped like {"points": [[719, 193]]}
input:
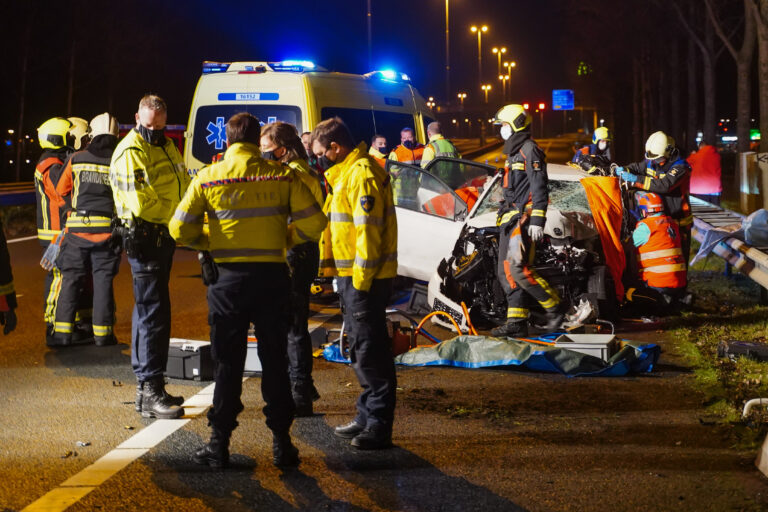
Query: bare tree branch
{"points": [[719, 30]]}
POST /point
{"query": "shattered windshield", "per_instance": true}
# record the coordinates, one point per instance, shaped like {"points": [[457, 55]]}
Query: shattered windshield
{"points": [[566, 196]]}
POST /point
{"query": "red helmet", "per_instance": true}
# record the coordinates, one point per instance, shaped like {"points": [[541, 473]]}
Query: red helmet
{"points": [[650, 202]]}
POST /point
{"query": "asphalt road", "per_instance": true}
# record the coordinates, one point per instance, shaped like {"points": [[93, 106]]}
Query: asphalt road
{"points": [[465, 439]]}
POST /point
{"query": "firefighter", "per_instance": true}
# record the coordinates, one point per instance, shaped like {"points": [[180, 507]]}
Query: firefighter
{"points": [[659, 250], [601, 145], [80, 132], [438, 146], [55, 139], [8, 302], [86, 249], [245, 194], [379, 149], [360, 248], [666, 173], [406, 181], [280, 142], [148, 180], [522, 218]]}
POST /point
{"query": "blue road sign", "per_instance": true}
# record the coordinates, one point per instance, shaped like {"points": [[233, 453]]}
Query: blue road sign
{"points": [[562, 99]]}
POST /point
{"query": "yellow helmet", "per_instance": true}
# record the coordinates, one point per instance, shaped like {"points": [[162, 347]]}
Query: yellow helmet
{"points": [[103, 124], [659, 145], [601, 133], [515, 115], [79, 132], [52, 134]]}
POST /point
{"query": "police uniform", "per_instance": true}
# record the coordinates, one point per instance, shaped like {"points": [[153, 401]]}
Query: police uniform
{"points": [[671, 181], [303, 260], [360, 247], [148, 182], [245, 194], [86, 248], [525, 202]]}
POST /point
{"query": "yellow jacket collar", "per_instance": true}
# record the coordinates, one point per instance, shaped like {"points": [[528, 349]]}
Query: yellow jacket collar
{"points": [[242, 148], [376, 153], [435, 137], [332, 174]]}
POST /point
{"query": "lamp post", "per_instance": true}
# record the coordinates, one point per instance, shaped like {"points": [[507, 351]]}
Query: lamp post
{"points": [[508, 72], [479, 31], [486, 89], [462, 96], [504, 79], [542, 107], [498, 52], [447, 57]]}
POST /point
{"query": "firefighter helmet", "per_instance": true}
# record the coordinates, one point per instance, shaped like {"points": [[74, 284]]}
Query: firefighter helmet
{"points": [[601, 133], [515, 115], [649, 202], [103, 124], [659, 145], [52, 134], [78, 132]]}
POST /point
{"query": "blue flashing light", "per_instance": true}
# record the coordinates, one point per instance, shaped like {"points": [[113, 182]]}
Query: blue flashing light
{"points": [[8, 142], [404, 77], [306, 64], [296, 66], [388, 74], [215, 67]]}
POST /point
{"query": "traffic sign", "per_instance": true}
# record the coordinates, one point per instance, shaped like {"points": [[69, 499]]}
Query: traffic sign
{"points": [[562, 99]]}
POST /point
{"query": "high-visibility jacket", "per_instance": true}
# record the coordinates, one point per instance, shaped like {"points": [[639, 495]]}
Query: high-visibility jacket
{"points": [[438, 146], [380, 157], [706, 171], [361, 239], [309, 177], [671, 181], [86, 181], [49, 204], [660, 259], [248, 201], [147, 181], [407, 156]]}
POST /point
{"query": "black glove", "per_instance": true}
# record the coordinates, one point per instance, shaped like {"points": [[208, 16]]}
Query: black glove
{"points": [[208, 267], [9, 320]]}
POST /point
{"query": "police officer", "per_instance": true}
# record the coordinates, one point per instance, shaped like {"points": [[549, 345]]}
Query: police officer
{"points": [[148, 180], [53, 136], [280, 142], [245, 194], [666, 173], [406, 185], [438, 146], [86, 248], [522, 218], [363, 254]]}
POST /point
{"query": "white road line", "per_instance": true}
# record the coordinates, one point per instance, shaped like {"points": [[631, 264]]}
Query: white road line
{"points": [[14, 240], [78, 486]]}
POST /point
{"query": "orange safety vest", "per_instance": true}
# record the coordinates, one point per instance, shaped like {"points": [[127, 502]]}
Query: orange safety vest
{"points": [[409, 156], [661, 259]]}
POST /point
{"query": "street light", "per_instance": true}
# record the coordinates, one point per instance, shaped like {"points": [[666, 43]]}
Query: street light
{"points": [[542, 107], [498, 52], [447, 58], [486, 88], [504, 79], [479, 31], [462, 96]]}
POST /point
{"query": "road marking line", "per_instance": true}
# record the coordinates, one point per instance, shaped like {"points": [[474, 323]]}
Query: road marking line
{"points": [[79, 485], [14, 240]]}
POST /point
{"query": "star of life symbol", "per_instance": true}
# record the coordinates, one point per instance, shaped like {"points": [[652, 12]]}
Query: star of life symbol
{"points": [[217, 135]]}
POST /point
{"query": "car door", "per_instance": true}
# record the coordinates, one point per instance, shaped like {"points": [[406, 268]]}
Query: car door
{"points": [[429, 218]]}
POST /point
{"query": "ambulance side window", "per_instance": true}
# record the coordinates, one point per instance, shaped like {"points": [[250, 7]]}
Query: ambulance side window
{"points": [[389, 124], [359, 121]]}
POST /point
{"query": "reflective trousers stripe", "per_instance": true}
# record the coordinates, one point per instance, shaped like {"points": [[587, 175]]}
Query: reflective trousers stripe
{"points": [[101, 330], [517, 313]]}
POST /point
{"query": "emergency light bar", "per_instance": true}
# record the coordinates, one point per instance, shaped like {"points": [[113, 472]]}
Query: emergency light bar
{"points": [[294, 66], [389, 75]]}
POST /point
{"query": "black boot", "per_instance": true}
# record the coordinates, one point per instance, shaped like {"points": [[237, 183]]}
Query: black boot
{"points": [[105, 341], [511, 330], [171, 399], [54, 339], [154, 403], [216, 453], [302, 399], [373, 438], [554, 319], [284, 454], [82, 334]]}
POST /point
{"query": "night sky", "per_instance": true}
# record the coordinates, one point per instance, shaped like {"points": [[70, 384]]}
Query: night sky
{"points": [[125, 49]]}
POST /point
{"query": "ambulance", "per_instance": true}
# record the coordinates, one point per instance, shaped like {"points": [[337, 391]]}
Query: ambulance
{"points": [[302, 94]]}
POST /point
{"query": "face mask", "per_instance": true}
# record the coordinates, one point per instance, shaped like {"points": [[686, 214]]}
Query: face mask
{"points": [[154, 137], [268, 155], [506, 132], [325, 163], [408, 144], [602, 144]]}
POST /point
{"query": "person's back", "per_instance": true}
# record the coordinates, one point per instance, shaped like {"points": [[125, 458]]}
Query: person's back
{"points": [[438, 146], [659, 247], [706, 173]]}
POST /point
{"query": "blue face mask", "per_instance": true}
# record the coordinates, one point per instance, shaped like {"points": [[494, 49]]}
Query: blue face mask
{"points": [[154, 137], [409, 144]]}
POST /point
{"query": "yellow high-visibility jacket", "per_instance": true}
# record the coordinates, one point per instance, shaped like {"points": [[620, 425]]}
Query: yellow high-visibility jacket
{"points": [[248, 201], [308, 177], [361, 239], [147, 181]]}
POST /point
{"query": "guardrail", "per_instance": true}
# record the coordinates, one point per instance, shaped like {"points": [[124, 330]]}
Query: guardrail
{"points": [[19, 193]]}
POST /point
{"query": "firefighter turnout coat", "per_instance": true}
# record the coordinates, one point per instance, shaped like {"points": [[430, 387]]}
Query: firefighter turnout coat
{"points": [[49, 204], [248, 201], [361, 239], [525, 181]]}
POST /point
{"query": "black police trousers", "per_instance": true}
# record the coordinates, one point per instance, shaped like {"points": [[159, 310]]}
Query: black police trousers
{"points": [[370, 350], [303, 260], [245, 293]]}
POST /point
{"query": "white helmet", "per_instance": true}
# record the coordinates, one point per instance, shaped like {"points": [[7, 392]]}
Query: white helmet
{"points": [[103, 124], [659, 145]]}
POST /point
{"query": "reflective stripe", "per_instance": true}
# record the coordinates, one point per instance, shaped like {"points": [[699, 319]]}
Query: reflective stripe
{"points": [[517, 166], [122, 185], [306, 212], [508, 216], [360, 262], [340, 217], [327, 263], [187, 217], [538, 213], [53, 294], [517, 313], [88, 222], [237, 253], [264, 211], [550, 303], [647, 183], [303, 235], [662, 253], [102, 330], [343, 263], [47, 234], [661, 269], [5, 289], [367, 219], [65, 327]]}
